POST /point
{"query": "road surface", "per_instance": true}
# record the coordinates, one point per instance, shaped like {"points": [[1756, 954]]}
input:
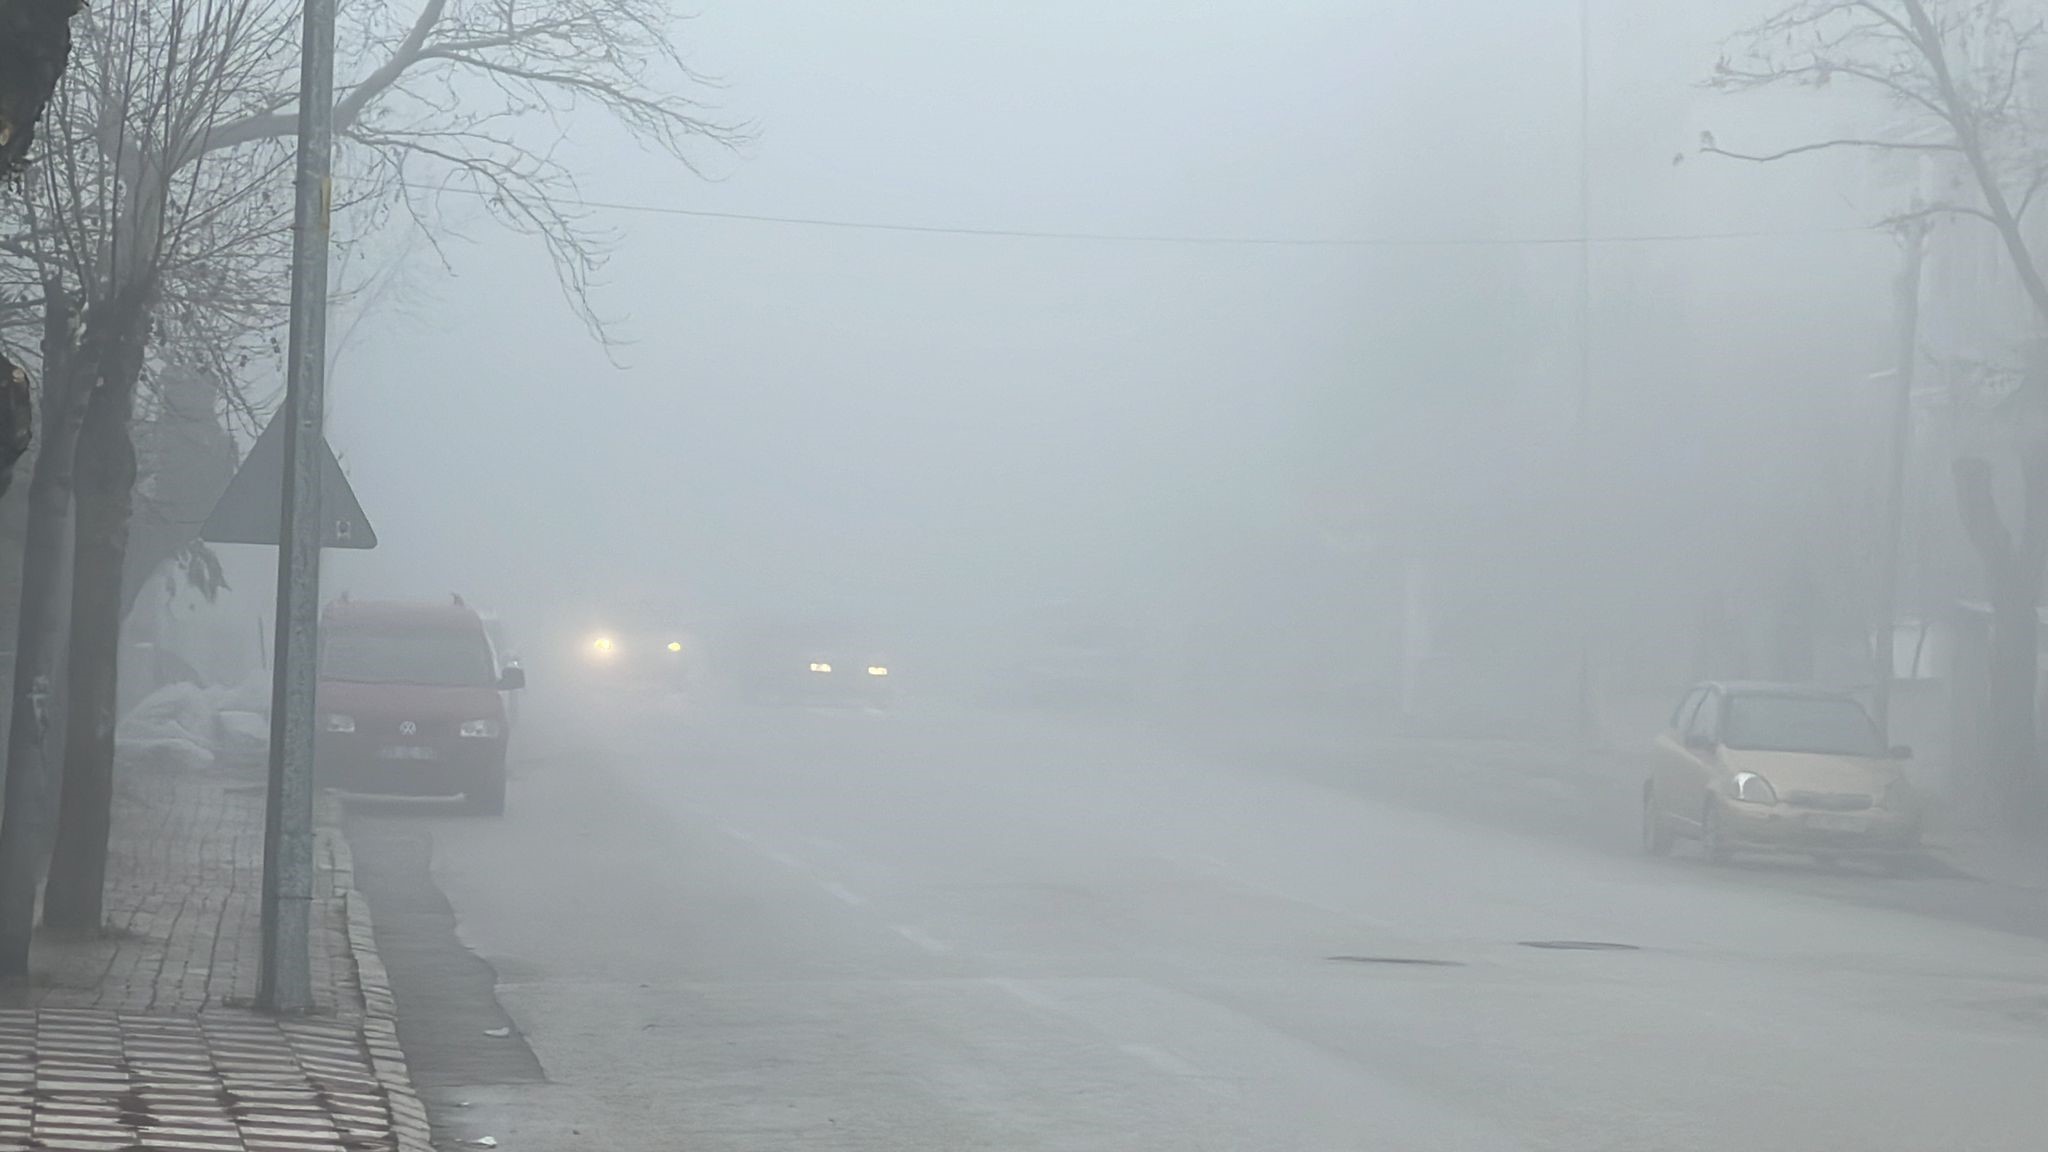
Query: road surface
{"points": [[942, 930]]}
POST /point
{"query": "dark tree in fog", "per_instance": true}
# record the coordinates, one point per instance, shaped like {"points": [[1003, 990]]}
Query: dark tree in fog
{"points": [[35, 45], [185, 456], [165, 206], [140, 238], [1962, 81]]}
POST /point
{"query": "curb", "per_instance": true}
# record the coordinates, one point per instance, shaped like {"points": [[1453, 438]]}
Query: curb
{"points": [[409, 1123]]}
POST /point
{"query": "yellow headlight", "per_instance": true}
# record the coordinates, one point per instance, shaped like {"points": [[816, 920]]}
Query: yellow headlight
{"points": [[602, 644], [675, 646], [821, 667], [877, 670]]}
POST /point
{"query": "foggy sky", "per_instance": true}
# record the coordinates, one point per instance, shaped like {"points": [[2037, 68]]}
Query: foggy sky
{"points": [[876, 420]]}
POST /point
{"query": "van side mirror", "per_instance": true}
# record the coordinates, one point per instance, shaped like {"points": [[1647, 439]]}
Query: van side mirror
{"points": [[1700, 742], [512, 679]]}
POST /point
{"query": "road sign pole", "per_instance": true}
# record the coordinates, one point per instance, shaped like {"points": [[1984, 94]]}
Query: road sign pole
{"points": [[287, 980]]}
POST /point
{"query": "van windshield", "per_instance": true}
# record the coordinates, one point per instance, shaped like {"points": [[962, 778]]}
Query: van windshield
{"points": [[446, 659]]}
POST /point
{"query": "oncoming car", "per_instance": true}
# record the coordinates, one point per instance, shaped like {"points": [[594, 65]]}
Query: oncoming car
{"points": [[824, 665], [1778, 768], [649, 657]]}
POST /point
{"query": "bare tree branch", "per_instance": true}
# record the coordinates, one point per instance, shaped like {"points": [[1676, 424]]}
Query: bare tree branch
{"points": [[1957, 67], [272, 124], [1936, 212], [1826, 145]]}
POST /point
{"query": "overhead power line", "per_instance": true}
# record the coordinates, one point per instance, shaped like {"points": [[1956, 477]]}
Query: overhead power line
{"points": [[1196, 239]]}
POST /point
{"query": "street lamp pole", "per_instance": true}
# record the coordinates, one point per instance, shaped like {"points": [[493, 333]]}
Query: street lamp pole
{"points": [[286, 982], [1588, 717]]}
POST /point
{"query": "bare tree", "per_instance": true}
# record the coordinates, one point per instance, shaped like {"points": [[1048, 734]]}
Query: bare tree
{"points": [[173, 172], [1959, 79], [122, 199]]}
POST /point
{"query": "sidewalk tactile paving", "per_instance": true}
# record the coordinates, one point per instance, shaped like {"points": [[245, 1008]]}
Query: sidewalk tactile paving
{"points": [[143, 1038], [280, 1102]]}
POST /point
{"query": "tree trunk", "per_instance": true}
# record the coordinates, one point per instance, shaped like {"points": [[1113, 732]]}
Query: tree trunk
{"points": [[73, 897], [39, 637], [2014, 741], [17, 418], [2012, 579]]}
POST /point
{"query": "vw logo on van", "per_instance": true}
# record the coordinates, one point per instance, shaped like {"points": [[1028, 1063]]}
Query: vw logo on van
{"points": [[407, 728]]}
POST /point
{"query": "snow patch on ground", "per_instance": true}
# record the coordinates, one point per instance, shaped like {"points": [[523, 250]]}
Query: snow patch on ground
{"points": [[187, 727]]}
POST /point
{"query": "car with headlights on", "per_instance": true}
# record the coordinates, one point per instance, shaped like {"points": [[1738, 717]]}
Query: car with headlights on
{"points": [[816, 664], [650, 656], [1778, 768]]}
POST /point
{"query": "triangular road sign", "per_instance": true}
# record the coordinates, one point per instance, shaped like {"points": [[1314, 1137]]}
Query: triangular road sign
{"points": [[251, 509]]}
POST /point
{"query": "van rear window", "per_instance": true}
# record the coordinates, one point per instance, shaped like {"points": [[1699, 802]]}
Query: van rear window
{"points": [[454, 659]]}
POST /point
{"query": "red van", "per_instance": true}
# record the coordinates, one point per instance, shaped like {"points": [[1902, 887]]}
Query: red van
{"points": [[412, 702]]}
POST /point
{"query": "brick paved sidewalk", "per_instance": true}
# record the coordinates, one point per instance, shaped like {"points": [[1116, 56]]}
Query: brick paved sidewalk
{"points": [[184, 885], [143, 1037]]}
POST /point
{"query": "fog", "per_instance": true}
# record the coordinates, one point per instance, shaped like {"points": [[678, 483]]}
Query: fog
{"points": [[1159, 508], [877, 415], [931, 428]]}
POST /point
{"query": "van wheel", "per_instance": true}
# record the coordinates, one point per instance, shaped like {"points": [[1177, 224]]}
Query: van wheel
{"points": [[1657, 835], [487, 796]]}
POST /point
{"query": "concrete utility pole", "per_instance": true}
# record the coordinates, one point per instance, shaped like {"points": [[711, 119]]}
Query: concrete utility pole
{"points": [[1883, 658], [287, 979]]}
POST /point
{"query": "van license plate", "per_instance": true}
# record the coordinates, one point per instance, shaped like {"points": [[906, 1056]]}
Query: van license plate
{"points": [[407, 752]]}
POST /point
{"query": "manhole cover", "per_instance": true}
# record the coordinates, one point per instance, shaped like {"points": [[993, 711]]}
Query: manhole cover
{"points": [[1581, 945], [1417, 961]]}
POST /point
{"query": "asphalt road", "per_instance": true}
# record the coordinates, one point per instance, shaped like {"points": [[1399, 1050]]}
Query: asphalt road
{"points": [[943, 930], [1595, 802]]}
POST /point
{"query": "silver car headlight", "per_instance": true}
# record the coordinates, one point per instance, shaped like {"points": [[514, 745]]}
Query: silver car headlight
{"points": [[479, 729], [1751, 788]]}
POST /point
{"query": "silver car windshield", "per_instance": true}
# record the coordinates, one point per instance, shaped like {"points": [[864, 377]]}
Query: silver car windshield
{"points": [[1832, 726]]}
